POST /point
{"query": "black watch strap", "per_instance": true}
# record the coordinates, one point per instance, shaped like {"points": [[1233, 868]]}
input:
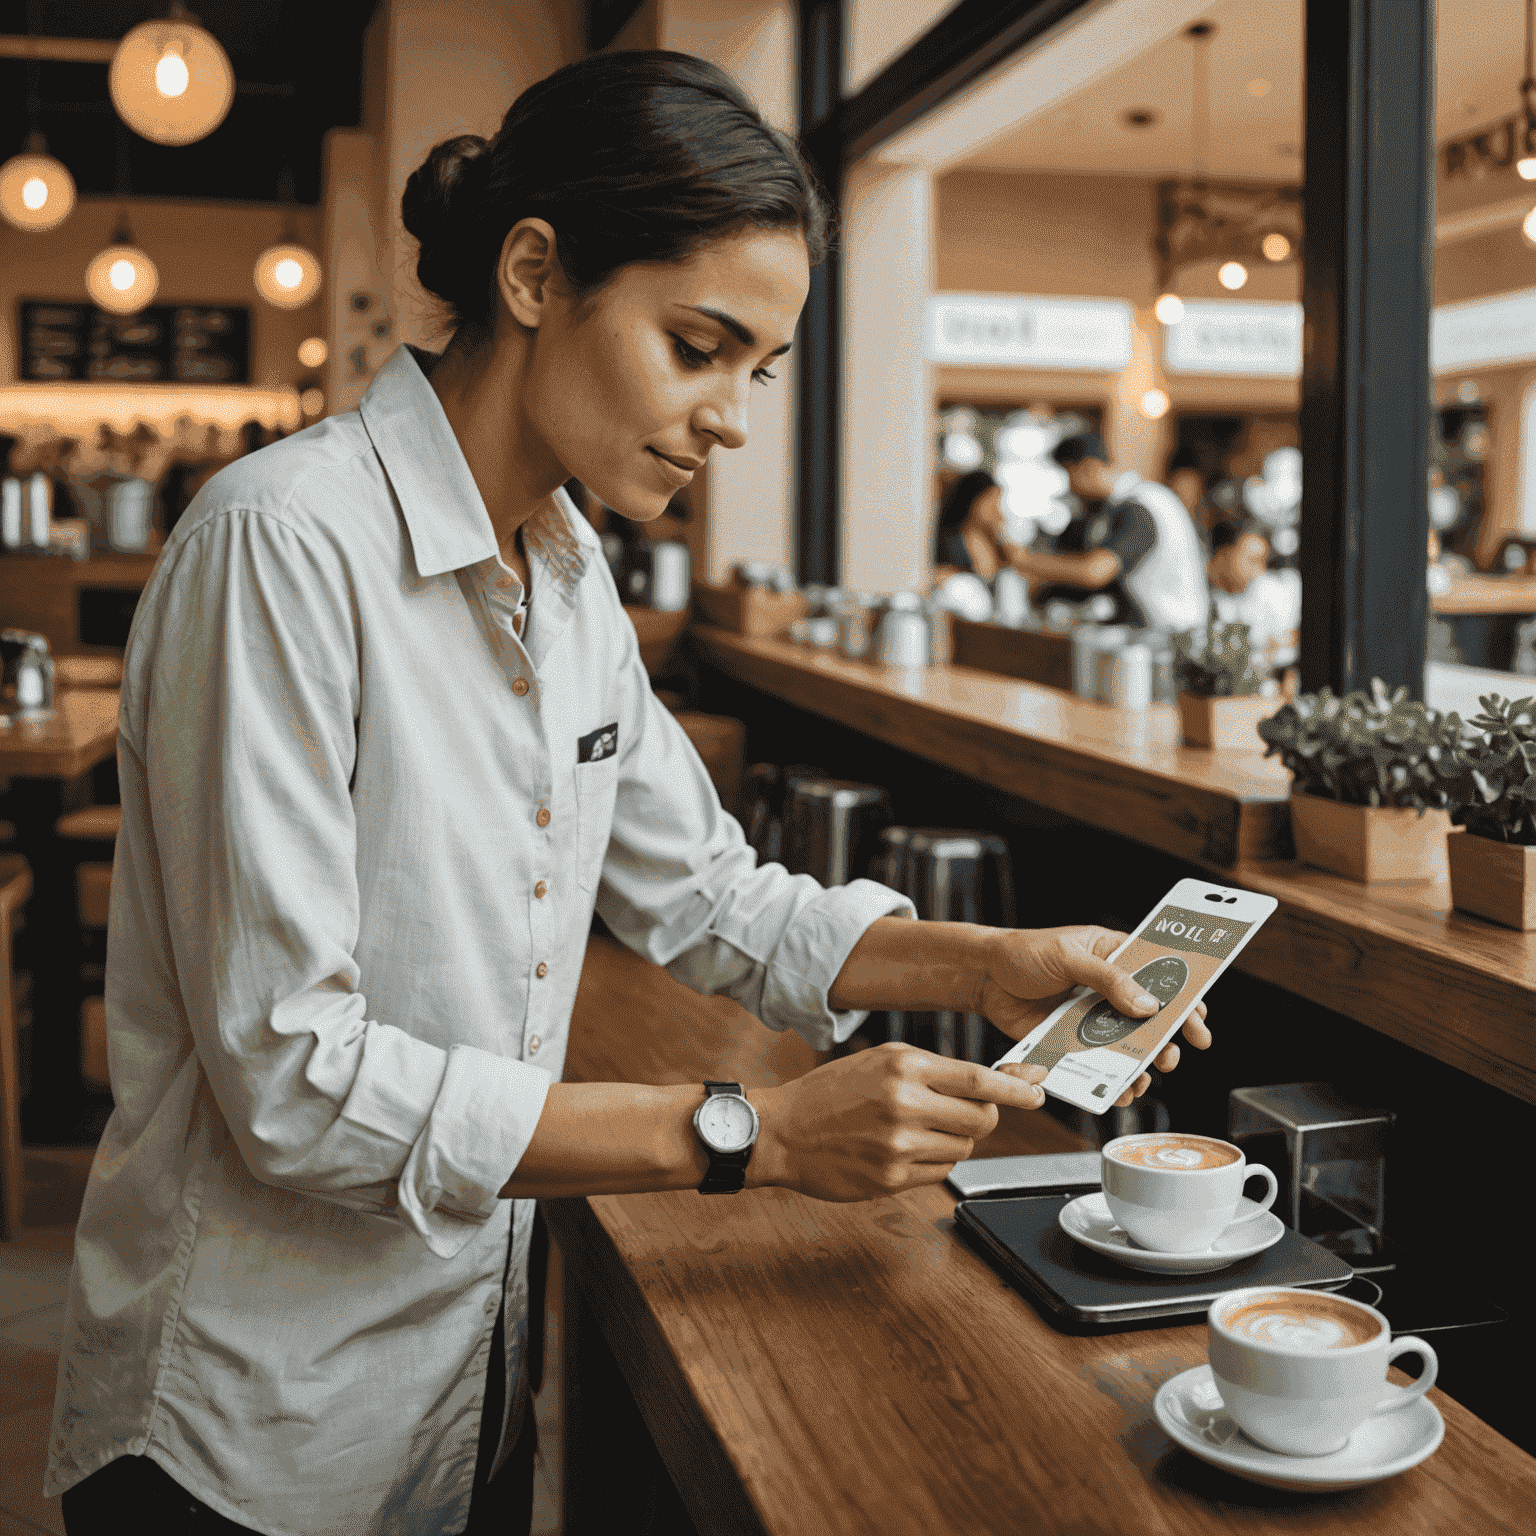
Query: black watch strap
{"points": [[727, 1170]]}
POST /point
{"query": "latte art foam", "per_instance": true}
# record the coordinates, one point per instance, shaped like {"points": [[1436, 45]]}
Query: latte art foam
{"points": [[1176, 1153], [1310, 1326]]}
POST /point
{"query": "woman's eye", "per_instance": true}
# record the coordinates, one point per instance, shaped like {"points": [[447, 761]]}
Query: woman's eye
{"points": [[692, 357]]}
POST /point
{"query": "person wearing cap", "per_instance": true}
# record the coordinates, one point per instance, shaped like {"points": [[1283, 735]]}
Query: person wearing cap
{"points": [[1140, 546]]}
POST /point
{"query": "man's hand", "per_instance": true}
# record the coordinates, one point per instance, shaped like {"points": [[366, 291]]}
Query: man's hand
{"points": [[884, 1120], [1030, 971]]}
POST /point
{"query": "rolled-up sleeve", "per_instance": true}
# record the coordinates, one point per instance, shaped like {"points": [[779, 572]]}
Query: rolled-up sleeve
{"points": [[682, 886], [247, 747]]}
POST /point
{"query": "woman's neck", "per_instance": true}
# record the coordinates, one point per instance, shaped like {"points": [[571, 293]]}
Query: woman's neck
{"points": [[482, 394]]}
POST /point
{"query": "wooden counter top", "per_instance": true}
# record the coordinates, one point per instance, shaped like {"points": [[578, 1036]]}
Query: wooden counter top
{"points": [[1396, 958], [1122, 771], [855, 1368], [1487, 594]]}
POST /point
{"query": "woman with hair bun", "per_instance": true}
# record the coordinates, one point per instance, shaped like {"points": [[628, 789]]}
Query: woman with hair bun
{"points": [[386, 741]]}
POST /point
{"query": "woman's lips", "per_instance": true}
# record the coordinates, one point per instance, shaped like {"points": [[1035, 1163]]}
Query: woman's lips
{"points": [[677, 473]]}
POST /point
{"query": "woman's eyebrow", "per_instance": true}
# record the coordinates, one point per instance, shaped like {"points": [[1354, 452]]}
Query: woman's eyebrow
{"points": [[736, 328]]}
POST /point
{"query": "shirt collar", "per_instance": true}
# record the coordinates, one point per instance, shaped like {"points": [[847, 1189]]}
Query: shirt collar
{"points": [[441, 504]]}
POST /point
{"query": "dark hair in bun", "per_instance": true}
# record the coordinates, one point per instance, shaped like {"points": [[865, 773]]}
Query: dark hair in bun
{"points": [[631, 157]]}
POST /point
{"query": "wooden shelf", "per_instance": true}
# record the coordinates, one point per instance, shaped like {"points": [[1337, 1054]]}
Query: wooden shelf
{"points": [[1396, 958]]}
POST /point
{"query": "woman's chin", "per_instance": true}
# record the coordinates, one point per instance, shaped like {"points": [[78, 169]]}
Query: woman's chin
{"points": [[638, 504]]}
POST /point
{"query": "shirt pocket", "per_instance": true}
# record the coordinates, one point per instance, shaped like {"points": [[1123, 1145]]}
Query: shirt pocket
{"points": [[597, 787]]}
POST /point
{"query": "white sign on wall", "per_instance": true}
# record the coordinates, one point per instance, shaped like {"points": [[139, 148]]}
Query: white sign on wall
{"points": [[1483, 331], [1219, 336], [1017, 330]]}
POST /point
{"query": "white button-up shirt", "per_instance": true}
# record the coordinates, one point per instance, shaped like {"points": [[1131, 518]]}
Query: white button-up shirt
{"points": [[334, 1002]]}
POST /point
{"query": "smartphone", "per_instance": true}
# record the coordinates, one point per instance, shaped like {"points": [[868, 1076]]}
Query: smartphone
{"points": [[1093, 1052]]}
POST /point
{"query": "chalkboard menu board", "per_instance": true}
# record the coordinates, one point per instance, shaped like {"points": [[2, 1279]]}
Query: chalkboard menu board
{"points": [[163, 344]]}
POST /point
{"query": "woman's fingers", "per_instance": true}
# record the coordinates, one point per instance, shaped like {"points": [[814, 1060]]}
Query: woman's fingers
{"points": [[1168, 1057], [1196, 1031]]}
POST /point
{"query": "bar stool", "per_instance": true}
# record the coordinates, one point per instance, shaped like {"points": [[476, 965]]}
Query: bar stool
{"points": [[943, 871], [721, 742], [830, 827]]}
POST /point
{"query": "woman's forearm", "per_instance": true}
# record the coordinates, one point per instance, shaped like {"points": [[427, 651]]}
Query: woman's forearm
{"points": [[901, 964], [612, 1139]]}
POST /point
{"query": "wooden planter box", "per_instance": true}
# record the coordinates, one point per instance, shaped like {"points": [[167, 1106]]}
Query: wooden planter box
{"points": [[1229, 723], [751, 611], [1031, 655], [1494, 880], [1370, 842]]}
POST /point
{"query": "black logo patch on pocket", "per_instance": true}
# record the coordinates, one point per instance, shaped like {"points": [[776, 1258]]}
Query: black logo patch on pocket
{"points": [[598, 744]]}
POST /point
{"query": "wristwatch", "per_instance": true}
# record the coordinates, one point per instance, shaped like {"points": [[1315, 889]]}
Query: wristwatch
{"points": [[727, 1125]]}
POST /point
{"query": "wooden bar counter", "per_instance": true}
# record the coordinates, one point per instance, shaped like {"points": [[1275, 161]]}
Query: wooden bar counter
{"points": [[1395, 957], [813, 1368]]}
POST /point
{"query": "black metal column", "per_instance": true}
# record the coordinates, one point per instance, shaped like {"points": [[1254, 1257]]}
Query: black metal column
{"points": [[818, 364], [1365, 412]]}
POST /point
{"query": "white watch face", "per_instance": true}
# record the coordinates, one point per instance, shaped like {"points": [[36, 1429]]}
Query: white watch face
{"points": [[726, 1123]]}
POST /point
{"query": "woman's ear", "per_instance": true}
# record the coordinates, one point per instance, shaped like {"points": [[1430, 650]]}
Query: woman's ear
{"points": [[527, 270]]}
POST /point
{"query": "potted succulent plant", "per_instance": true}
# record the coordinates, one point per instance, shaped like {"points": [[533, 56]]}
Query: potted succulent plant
{"points": [[1220, 703], [1370, 786], [1492, 779]]}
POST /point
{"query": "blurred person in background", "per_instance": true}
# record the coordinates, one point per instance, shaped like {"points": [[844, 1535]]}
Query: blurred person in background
{"points": [[969, 533], [1245, 591], [1139, 545]]}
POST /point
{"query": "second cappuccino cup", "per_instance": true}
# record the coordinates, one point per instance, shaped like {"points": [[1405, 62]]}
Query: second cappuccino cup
{"points": [[1175, 1193]]}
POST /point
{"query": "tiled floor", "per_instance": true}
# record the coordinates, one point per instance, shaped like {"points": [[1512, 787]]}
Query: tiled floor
{"points": [[34, 1271]]}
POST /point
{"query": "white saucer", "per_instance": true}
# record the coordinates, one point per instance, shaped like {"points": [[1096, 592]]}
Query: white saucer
{"points": [[1086, 1220], [1190, 1409]]}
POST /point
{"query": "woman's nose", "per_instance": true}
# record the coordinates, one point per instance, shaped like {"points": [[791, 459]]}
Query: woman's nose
{"points": [[724, 418]]}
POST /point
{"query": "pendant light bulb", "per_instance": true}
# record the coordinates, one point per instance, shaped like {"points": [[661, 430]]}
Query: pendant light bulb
{"points": [[1169, 309], [171, 74], [36, 191], [170, 80], [122, 279], [1528, 227], [287, 276], [1526, 166], [1232, 275]]}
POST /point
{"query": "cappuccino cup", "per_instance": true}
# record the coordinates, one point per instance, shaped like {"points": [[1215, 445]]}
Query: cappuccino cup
{"points": [[1301, 1371], [1177, 1193]]}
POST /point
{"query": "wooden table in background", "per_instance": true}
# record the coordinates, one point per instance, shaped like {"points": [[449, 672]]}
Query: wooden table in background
{"points": [[46, 761], [1477, 593], [811, 1368], [42, 592], [1394, 957]]}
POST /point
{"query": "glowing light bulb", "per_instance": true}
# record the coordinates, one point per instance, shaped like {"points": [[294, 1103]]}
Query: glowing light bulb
{"points": [[312, 402], [1526, 166], [34, 194], [1275, 247], [1154, 404], [121, 275], [171, 74], [288, 273], [313, 352], [1232, 275], [1169, 309]]}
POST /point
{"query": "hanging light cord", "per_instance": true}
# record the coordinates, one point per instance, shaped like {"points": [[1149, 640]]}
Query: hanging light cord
{"points": [[1528, 85], [1200, 108]]}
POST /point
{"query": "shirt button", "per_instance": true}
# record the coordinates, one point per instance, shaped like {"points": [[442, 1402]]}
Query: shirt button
{"points": [[533, 1045], [503, 581], [543, 817], [520, 686], [541, 970], [540, 890]]}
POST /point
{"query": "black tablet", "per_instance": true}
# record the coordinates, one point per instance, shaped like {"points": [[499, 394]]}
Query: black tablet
{"points": [[1076, 1288]]}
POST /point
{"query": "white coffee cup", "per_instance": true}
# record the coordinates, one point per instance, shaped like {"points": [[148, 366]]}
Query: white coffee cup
{"points": [[1301, 1371], [1177, 1193]]}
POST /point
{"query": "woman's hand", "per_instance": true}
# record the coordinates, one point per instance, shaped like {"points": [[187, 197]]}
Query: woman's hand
{"points": [[1030, 971], [881, 1121]]}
